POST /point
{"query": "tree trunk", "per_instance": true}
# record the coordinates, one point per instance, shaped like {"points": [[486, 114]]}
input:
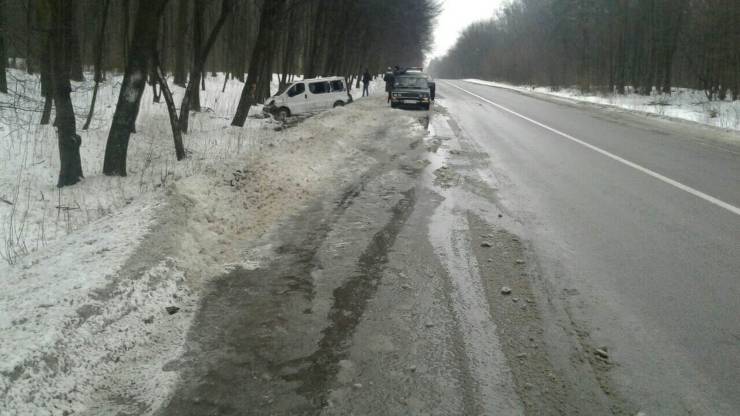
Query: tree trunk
{"points": [[46, 80], [70, 171], [152, 76], [46, 112], [98, 62], [171, 109], [3, 52], [199, 63], [671, 46], [163, 40], [621, 58], [195, 72], [260, 55], [143, 45], [29, 36], [75, 56], [360, 73], [182, 28], [156, 93], [126, 9], [288, 53]]}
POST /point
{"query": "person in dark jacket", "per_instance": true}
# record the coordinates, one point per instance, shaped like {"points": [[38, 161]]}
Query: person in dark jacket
{"points": [[389, 79], [366, 77]]}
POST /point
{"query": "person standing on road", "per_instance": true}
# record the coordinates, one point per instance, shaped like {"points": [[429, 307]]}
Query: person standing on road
{"points": [[389, 79], [366, 83]]}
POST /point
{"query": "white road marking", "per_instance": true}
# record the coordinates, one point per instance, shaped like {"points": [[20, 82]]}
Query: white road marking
{"points": [[656, 175]]}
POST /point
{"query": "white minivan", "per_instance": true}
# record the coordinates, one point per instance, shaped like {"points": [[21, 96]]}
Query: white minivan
{"points": [[309, 96]]}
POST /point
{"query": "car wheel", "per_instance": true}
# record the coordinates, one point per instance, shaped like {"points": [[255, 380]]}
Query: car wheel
{"points": [[393, 105], [283, 113], [425, 107], [339, 104]]}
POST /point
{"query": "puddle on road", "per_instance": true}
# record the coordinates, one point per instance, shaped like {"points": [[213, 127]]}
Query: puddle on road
{"points": [[317, 371]]}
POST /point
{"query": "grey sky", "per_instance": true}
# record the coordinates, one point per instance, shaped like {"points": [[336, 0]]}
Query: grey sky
{"points": [[456, 15]]}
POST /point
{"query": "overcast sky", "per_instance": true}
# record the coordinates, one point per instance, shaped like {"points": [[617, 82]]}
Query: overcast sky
{"points": [[456, 15]]}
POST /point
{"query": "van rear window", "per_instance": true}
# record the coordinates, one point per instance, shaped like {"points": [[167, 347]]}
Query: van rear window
{"points": [[321, 87]]}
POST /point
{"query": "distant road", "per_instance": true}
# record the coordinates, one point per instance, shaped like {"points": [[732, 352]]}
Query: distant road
{"points": [[636, 221]]}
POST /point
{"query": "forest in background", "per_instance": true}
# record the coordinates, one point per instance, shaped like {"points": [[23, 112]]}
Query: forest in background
{"points": [[313, 36], [155, 43], [618, 46]]}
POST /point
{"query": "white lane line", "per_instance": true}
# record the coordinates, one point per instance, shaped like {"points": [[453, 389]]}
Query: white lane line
{"points": [[656, 175]]}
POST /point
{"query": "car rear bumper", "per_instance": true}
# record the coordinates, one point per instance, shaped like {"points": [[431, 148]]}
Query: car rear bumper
{"points": [[409, 100]]}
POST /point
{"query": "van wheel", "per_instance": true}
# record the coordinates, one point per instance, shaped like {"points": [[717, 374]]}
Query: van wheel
{"points": [[339, 104], [283, 113]]}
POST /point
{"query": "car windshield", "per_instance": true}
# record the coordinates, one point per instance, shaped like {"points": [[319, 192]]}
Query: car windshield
{"points": [[414, 82]]}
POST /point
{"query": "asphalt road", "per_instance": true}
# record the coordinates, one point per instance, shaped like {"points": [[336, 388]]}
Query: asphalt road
{"points": [[635, 227]]}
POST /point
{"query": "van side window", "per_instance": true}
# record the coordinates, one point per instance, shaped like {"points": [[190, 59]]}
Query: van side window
{"points": [[337, 85], [320, 87], [297, 89]]}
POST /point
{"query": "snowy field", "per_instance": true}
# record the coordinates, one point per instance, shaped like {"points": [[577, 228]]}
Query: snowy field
{"points": [[88, 271], [683, 103]]}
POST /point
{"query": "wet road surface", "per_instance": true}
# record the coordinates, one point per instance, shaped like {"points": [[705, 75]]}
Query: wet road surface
{"points": [[648, 267]]}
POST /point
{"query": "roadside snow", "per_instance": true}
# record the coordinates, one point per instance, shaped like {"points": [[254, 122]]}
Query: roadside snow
{"points": [[67, 319], [682, 104], [77, 299]]}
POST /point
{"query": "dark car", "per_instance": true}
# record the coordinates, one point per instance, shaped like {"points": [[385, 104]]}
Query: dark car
{"points": [[430, 81], [412, 87]]}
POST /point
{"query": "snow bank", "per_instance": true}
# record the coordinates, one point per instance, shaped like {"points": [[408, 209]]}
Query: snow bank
{"points": [[682, 104], [68, 316]]}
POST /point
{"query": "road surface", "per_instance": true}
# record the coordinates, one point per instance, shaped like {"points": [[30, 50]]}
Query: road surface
{"points": [[513, 256], [634, 220]]}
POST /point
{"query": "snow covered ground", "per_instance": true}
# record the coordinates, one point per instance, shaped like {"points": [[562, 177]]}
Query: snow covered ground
{"points": [[88, 271], [683, 104], [34, 212]]}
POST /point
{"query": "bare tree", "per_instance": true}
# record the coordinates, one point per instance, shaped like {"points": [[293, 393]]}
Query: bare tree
{"points": [[75, 57], [193, 93], [3, 51], [142, 48], [171, 109], [98, 60], [60, 38], [182, 25], [259, 69], [199, 64]]}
